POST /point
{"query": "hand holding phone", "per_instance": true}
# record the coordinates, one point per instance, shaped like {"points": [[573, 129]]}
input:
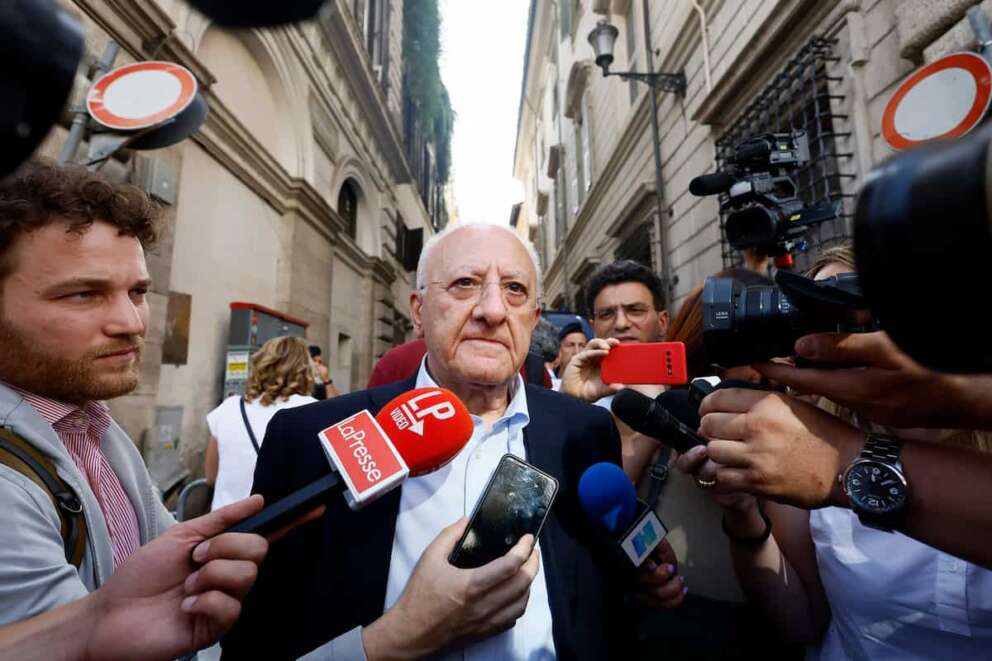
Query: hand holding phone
{"points": [[646, 362], [515, 502]]}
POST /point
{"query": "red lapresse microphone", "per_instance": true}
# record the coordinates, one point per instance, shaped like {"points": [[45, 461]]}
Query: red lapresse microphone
{"points": [[415, 433], [428, 427]]}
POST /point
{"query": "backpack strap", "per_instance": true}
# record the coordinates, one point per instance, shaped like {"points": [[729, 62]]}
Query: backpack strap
{"points": [[22, 457]]}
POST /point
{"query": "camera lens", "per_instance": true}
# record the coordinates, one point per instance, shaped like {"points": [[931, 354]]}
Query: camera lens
{"points": [[743, 324], [922, 243], [752, 227]]}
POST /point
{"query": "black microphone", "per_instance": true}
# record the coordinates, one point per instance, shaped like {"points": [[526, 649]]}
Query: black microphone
{"points": [[711, 184], [652, 418]]}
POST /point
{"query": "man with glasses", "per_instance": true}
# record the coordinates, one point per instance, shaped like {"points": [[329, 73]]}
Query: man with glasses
{"points": [[627, 303], [378, 581]]}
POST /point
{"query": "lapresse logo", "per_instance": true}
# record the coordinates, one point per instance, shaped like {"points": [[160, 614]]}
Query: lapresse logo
{"points": [[364, 455], [412, 413]]}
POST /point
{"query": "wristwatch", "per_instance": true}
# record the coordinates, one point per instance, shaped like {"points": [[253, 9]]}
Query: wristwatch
{"points": [[876, 485]]}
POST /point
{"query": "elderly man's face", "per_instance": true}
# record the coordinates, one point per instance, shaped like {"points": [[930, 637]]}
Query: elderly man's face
{"points": [[479, 308]]}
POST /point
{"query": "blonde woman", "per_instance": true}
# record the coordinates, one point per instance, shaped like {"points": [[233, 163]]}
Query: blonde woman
{"points": [[282, 376]]}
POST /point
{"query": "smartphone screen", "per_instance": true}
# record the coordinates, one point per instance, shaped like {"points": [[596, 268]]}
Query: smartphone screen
{"points": [[646, 362], [515, 502]]}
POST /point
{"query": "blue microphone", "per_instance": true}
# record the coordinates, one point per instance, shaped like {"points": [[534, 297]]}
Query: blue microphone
{"points": [[607, 496], [610, 503]]}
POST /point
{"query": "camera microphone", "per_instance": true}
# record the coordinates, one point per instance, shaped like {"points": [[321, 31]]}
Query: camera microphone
{"points": [[711, 184]]}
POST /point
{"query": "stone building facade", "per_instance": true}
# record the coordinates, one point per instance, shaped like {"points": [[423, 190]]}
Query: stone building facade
{"points": [[584, 149], [297, 194]]}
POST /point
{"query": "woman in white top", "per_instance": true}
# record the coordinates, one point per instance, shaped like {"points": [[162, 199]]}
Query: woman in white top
{"points": [[849, 591], [281, 377]]}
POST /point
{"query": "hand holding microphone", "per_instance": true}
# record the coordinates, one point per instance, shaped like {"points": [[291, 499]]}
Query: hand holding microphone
{"points": [[636, 534]]}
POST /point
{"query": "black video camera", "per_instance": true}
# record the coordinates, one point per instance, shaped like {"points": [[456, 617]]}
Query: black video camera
{"points": [[742, 324], [764, 211]]}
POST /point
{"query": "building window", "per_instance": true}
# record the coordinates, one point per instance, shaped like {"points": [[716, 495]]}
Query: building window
{"points": [[572, 163], [800, 97], [637, 246], [565, 18], [632, 54], [348, 207], [584, 144], [561, 206]]}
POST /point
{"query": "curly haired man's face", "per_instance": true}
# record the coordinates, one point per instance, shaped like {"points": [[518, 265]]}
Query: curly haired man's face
{"points": [[73, 312]]}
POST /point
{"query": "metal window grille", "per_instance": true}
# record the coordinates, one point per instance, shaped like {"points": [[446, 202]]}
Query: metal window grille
{"points": [[801, 96]]}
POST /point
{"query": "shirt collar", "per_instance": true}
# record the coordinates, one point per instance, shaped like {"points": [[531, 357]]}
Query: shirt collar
{"points": [[55, 411], [516, 416]]}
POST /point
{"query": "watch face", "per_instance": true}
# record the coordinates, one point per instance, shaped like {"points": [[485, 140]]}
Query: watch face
{"points": [[875, 487]]}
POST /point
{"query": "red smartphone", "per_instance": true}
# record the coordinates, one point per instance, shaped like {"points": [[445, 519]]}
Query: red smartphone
{"points": [[647, 362]]}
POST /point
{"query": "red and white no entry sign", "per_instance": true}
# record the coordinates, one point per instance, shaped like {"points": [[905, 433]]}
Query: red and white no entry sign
{"points": [[945, 99], [140, 95]]}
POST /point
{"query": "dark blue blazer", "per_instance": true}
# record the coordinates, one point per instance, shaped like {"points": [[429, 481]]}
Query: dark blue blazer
{"points": [[330, 575]]}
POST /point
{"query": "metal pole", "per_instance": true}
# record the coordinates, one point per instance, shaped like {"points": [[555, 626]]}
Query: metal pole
{"points": [[666, 267], [980, 26], [80, 115]]}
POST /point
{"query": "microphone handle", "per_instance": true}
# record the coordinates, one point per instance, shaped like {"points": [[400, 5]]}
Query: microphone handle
{"points": [[285, 510], [681, 437]]}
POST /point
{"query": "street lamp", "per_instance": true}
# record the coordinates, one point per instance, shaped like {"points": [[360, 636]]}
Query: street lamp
{"points": [[604, 37]]}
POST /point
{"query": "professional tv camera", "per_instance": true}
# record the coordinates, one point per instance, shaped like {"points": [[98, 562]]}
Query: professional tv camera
{"points": [[923, 241], [744, 324], [764, 211]]}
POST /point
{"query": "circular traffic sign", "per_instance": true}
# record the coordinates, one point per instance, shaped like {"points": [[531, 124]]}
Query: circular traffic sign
{"points": [[945, 99], [140, 95]]}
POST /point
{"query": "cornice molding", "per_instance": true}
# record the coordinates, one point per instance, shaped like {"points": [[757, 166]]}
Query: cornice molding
{"points": [[348, 252], [342, 40], [642, 195], [144, 30], [383, 271], [764, 46], [228, 141]]}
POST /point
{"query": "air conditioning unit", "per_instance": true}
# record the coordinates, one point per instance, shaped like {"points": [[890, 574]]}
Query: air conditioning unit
{"points": [[377, 72]]}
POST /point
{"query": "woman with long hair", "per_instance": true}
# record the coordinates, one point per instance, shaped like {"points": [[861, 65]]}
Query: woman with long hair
{"points": [[281, 376]]}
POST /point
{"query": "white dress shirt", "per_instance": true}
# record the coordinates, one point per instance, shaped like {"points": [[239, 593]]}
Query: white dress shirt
{"points": [[434, 501], [894, 598]]}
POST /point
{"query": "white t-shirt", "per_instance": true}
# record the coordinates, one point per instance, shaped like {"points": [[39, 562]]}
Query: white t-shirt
{"points": [[896, 599], [237, 455]]}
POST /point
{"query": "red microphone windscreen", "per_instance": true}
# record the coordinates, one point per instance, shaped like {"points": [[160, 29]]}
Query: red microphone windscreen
{"points": [[428, 427]]}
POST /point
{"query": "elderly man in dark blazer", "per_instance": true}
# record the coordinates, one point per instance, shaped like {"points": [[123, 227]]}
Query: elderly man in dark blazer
{"points": [[376, 583]]}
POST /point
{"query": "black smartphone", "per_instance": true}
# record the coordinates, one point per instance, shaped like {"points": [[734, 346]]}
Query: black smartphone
{"points": [[515, 502]]}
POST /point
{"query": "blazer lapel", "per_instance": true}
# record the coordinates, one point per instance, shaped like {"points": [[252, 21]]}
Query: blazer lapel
{"points": [[376, 524], [543, 441]]}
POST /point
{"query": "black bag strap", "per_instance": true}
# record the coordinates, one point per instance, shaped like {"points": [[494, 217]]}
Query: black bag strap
{"points": [[658, 473], [19, 455], [244, 416]]}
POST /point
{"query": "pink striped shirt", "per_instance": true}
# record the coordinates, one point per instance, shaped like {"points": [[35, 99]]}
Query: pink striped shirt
{"points": [[81, 431]]}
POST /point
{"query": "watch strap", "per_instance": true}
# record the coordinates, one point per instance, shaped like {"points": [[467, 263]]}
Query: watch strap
{"points": [[883, 448]]}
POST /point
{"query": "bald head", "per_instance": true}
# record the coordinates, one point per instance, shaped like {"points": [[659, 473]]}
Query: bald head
{"points": [[480, 230], [476, 306]]}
